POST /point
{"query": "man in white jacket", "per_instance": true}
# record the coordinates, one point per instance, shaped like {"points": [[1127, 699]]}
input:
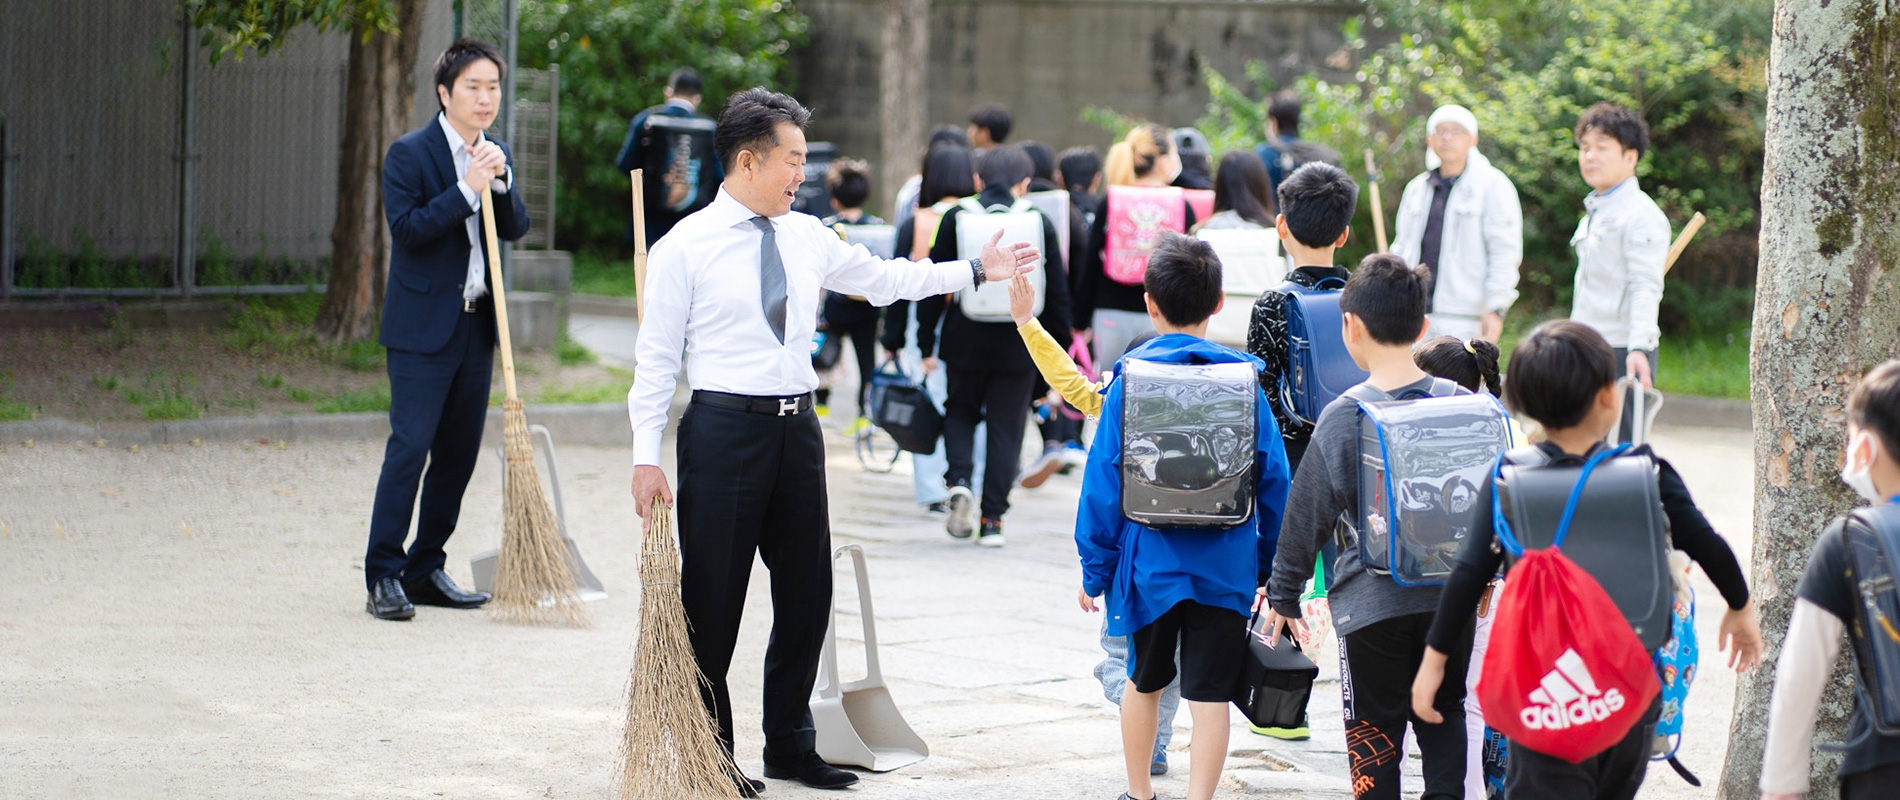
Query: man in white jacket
{"points": [[1461, 219]]}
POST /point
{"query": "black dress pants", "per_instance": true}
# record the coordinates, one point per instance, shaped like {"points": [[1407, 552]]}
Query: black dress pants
{"points": [[438, 403], [756, 483], [1378, 663], [1000, 398]]}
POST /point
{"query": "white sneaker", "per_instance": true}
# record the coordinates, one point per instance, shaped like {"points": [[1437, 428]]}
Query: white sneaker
{"points": [[1073, 457], [1045, 467], [962, 516]]}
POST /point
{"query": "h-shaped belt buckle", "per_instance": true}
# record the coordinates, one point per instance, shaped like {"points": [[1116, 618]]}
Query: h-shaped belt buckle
{"points": [[787, 405]]}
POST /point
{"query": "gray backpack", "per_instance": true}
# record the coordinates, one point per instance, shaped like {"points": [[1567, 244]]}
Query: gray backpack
{"points": [[1188, 443]]}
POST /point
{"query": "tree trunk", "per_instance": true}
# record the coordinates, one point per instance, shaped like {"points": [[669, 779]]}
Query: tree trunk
{"points": [[901, 94], [1826, 310], [381, 90]]}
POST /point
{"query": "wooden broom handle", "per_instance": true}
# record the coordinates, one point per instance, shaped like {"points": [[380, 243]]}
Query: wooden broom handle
{"points": [[495, 290], [1682, 241], [638, 177], [1378, 209]]}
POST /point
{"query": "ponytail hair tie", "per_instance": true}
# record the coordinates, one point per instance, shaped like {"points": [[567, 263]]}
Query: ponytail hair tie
{"points": [[1469, 348]]}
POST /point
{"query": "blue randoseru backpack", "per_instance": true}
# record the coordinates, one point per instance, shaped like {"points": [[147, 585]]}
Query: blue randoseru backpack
{"points": [[1318, 367]]}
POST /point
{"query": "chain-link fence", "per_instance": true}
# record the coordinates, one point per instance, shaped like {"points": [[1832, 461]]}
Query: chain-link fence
{"points": [[129, 165]]}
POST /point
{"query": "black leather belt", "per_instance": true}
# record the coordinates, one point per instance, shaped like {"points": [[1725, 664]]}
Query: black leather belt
{"points": [[776, 406]]}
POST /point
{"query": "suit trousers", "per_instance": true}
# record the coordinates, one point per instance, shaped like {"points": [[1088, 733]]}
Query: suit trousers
{"points": [[756, 483], [438, 403], [1000, 400]]}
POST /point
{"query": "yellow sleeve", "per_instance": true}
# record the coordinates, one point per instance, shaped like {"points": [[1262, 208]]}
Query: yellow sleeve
{"points": [[1060, 371]]}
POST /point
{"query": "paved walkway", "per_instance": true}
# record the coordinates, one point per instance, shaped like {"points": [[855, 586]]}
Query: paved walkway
{"points": [[182, 621]]}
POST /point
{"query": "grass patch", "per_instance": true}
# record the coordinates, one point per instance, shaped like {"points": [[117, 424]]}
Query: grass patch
{"points": [[602, 273], [573, 354], [106, 383], [272, 381], [611, 390], [284, 326], [164, 397], [12, 410], [374, 398], [1706, 366]]}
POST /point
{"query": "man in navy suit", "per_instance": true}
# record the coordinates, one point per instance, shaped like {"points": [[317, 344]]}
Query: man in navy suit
{"points": [[439, 326], [673, 143]]}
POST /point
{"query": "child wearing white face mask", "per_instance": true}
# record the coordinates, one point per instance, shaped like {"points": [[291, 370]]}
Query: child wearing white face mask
{"points": [[1848, 580]]}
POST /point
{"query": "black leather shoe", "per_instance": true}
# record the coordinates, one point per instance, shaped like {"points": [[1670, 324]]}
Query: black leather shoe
{"points": [[807, 768], [749, 787], [438, 590], [387, 601]]}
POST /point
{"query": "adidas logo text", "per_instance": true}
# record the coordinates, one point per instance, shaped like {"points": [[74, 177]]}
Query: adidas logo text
{"points": [[1568, 697]]}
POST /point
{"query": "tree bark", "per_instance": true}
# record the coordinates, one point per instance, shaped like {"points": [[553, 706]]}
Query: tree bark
{"points": [[380, 91], [1826, 310], [901, 94]]}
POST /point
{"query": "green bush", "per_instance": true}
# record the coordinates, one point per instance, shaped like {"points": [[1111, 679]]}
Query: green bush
{"points": [[1695, 68], [615, 56]]}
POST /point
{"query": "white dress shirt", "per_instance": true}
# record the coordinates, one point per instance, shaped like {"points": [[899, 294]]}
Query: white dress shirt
{"points": [[477, 283], [702, 302]]}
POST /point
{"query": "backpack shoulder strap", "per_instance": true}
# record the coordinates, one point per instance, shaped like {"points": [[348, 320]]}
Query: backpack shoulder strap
{"points": [[1022, 206], [1366, 393], [1444, 387], [971, 205]]}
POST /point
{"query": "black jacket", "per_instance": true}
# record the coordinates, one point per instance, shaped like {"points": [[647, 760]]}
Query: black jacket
{"points": [[428, 238], [1093, 289], [991, 345]]}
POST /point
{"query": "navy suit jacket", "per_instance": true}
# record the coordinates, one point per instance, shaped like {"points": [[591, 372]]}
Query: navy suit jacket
{"points": [[428, 258]]}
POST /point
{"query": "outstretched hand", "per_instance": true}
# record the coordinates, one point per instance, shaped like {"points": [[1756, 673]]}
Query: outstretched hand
{"points": [[1022, 300], [1002, 262]]}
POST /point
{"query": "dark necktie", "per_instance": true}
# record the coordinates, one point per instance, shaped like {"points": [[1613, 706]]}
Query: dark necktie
{"points": [[771, 278]]}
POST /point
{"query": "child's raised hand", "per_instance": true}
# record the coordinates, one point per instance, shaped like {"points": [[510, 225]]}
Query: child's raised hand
{"points": [[1740, 635], [1087, 602], [1022, 300]]}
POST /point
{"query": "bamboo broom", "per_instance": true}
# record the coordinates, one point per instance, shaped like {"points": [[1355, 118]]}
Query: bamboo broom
{"points": [[534, 583], [1682, 241], [639, 246], [1378, 209], [670, 746]]}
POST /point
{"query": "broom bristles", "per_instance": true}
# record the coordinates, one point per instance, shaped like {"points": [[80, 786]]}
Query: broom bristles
{"points": [[670, 746], [534, 583]]}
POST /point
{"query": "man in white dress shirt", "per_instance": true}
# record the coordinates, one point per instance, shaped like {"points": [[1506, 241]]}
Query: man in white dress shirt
{"points": [[733, 292]]}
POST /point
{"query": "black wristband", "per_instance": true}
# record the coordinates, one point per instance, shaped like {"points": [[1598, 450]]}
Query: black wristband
{"points": [[976, 270]]}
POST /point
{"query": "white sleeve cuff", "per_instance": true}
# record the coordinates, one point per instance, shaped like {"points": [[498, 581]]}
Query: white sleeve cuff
{"points": [[646, 448], [504, 183]]}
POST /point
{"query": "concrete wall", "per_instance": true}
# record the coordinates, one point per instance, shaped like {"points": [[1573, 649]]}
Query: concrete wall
{"points": [[92, 109], [1047, 60]]}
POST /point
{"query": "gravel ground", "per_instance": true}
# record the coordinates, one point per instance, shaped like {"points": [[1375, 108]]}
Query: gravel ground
{"points": [[180, 621]]}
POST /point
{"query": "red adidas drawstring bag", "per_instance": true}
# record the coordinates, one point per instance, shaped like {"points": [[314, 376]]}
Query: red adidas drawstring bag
{"points": [[1565, 675]]}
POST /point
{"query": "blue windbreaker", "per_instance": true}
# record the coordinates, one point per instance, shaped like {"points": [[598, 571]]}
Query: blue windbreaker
{"points": [[1145, 571]]}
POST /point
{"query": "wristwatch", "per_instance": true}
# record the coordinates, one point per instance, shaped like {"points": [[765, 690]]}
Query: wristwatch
{"points": [[976, 269]]}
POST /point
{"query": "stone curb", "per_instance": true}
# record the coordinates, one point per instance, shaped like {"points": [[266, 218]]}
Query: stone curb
{"points": [[1705, 412], [600, 305], [601, 423]]}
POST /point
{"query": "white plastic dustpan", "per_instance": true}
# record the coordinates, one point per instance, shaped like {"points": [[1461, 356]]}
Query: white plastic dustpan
{"points": [[858, 722], [587, 586]]}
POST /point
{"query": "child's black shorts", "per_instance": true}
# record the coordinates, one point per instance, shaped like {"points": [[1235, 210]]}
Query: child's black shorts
{"points": [[1212, 642]]}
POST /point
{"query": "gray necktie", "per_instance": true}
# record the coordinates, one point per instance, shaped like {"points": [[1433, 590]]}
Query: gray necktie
{"points": [[771, 278]]}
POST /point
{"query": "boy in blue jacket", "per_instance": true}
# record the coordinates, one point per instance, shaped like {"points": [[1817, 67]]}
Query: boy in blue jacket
{"points": [[1170, 588]]}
